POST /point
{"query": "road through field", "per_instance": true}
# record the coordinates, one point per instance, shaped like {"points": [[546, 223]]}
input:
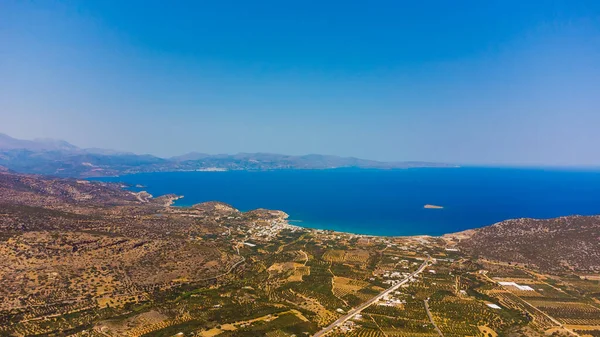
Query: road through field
{"points": [[365, 305], [439, 332]]}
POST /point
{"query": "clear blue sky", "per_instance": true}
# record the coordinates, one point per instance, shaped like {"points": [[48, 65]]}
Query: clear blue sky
{"points": [[480, 82]]}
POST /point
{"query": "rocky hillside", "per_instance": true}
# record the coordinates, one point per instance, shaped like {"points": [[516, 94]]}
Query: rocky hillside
{"points": [[34, 190], [70, 245], [565, 243]]}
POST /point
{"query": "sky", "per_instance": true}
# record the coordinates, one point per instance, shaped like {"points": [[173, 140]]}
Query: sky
{"points": [[469, 82]]}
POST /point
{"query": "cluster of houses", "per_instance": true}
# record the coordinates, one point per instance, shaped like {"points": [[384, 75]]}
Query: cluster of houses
{"points": [[270, 230], [390, 300]]}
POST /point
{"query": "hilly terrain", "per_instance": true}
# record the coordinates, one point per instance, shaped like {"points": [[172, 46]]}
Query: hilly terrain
{"points": [[83, 258], [554, 245], [60, 158]]}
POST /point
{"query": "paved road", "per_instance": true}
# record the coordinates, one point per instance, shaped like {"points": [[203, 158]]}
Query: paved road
{"points": [[225, 273], [365, 305], [426, 302]]}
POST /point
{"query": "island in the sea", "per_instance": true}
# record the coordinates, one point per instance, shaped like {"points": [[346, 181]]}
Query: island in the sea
{"points": [[429, 206]]}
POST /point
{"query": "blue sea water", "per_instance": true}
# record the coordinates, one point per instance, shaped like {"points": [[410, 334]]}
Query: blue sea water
{"points": [[389, 202]]}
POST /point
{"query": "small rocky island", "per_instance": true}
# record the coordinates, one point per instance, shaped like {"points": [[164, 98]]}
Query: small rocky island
{"points": [[429, 206]]}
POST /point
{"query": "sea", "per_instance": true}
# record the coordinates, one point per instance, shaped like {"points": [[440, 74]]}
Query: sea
{"points": [[388, 202]]}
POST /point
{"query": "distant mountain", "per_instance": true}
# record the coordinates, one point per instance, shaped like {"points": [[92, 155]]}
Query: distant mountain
{"points": [[9, 143], [190, 156], [95, 150], [60, 158]]}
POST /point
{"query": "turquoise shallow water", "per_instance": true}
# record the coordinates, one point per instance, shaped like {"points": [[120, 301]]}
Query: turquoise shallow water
{"points": [[389, 202]]}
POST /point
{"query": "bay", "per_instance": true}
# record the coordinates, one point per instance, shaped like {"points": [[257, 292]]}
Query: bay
{"points": [[388, 202]]}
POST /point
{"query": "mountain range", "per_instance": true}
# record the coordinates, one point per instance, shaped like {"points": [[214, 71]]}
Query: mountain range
{"points": [[60, 158]]}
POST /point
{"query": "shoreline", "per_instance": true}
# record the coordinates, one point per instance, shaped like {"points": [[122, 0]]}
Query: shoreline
{"points": [[291, 222], [460, 233], [220, 169], [406, 218], [595, 169]]}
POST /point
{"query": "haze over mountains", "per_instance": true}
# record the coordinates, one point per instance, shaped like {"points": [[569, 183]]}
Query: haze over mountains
{"points": [[60, 158]]}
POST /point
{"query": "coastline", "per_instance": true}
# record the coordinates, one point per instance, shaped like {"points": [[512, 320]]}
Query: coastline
{"points": [[171, 199], [292, 223], [458, 235], [222, 169], [388, 203]]}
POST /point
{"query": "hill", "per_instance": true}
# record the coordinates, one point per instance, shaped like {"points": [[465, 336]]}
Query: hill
{"points": [[555, 245]]}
